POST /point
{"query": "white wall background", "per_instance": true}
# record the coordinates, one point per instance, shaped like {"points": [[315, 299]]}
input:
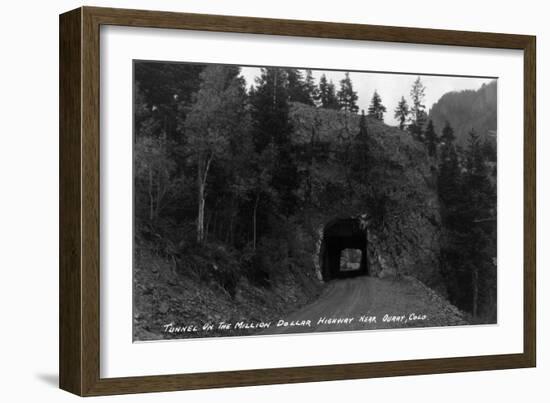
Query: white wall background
{"points": [[29, 198]]}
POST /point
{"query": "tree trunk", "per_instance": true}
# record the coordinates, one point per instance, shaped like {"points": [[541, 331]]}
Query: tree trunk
{"points": [[200, 216], [202, 175]]}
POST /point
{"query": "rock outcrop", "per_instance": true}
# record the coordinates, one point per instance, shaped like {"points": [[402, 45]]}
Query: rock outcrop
{"points": [[397, 199], [467, 110]]}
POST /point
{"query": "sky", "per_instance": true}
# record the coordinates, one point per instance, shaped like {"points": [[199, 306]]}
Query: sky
{"points": [[390, 86]]}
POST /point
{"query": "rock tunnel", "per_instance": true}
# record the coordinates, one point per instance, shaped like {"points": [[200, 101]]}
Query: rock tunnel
{"points": [[343, 249]]}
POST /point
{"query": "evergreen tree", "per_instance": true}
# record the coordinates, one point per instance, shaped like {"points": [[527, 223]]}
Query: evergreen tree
{"points": [[363, 132], [311, 89], [475, 163], [401, 113], [272, 130], [270, 108], [447, 135], [489, 151], [431, 139], [298, 88], [347, 97], [468, 202], [450, 195], [478, 207], [418, 110], [449, 175], [168, 90], [327, 94], [376, 109]]}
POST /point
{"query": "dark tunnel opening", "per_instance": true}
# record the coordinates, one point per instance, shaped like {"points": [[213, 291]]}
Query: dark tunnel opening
{"points": [[343, 249]]}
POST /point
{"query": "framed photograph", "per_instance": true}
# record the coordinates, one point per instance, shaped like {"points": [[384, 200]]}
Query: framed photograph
{"points": [[249, 201]]}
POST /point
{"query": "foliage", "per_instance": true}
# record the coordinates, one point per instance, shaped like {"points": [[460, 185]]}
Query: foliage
{"points": [[469, 204], [347, 97], [376, 109], [272, 135], [327, 94], [212, 123], [418, 110], [431, 139], [300, 88], [402, 113]]}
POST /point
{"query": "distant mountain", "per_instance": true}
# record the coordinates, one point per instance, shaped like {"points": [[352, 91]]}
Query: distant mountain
{"points": [[468, 109]]}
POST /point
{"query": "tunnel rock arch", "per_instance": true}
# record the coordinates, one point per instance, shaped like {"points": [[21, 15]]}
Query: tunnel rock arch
{"points": [[343, 234]]}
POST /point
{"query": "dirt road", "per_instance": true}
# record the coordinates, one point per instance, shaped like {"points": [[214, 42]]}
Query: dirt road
{"points": [[371, 303]]}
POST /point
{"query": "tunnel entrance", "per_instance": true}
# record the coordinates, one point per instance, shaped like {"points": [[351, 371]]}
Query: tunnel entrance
{"points": [[343, 249]]}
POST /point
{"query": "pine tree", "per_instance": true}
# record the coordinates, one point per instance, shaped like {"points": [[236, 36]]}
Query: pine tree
{"points": [[475, 163], [168, 89], [431, 139], [418, 110], [468, 200], [450, 196], [311, 89], [347, 97], [273, 130], [363, 132], [489, 151], [479, 203], [298, 90], [327, 94], [447, 135], [449, 175], [402, 113], [376, 109], [270, 108], [449, 181]]}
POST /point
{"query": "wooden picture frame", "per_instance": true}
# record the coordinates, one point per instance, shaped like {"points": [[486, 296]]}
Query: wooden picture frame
{"points": [[79, 280]]}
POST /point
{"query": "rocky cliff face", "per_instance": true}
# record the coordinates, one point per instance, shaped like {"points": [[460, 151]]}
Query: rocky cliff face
{"points": [[467, 110], [395, 198]]}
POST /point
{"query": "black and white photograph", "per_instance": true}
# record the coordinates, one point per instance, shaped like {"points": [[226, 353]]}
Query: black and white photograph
{"points": [[277, 200], [264, 202]]}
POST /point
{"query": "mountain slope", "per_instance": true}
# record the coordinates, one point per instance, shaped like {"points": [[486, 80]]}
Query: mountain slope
{"points": [[397, 190], [468, 109]]}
